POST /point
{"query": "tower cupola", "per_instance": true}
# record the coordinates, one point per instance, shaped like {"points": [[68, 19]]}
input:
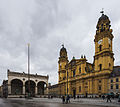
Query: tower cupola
{"points": [[103, 23], [63, 52], [63, 55]]}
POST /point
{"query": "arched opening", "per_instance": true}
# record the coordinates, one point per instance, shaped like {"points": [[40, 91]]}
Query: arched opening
{"points": [[100, 67], [100, 48], [16, 87], [30, 89], [41, 87], [74, 73]]}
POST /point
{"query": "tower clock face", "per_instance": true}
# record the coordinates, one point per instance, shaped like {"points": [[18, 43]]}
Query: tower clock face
{"points": [[100, 41]]}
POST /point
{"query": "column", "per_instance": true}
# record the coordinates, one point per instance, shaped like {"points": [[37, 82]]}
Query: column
{"points": [[83, 88], [23, 88], [47, 89], [104, 85], [89, 86], [69, 88], [9, 89], [95, 86], [36, 90]]}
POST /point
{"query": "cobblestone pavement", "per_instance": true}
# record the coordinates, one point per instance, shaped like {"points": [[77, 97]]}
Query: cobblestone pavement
{"points": [[56, 102]]}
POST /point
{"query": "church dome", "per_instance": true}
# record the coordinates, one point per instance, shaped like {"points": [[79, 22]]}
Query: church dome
{"points": [[103, 17], [103, 23], [63, 51]]}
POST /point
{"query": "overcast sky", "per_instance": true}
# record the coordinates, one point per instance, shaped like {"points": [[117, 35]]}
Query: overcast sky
{"points": [[46, 25]]}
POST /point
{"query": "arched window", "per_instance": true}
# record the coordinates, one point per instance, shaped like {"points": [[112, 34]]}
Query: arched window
{"points": [[79, 88], [111, 86], [99, 87], [117, 79], [101, 28], [99, 81], [109, 65], [100, 48], [85, 69], [97, 28], [109, 45], [73, 73], [117, 86], [111, 80], [100, 67], [79, 70], [63, 78]]}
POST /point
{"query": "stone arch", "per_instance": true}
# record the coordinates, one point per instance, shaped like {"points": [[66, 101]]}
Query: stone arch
{"points": [[32, 87], [16, 87], [41, 85]]}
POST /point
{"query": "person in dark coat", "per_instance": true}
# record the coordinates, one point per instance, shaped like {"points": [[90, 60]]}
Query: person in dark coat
{"points": [[78, 97], [103, 97], [119, 98], [68, 98], [108, 98], [63, 99]]}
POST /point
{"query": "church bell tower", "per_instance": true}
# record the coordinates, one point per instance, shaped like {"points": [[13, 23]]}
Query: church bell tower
{"points": [[103, 59], [63, 61]]}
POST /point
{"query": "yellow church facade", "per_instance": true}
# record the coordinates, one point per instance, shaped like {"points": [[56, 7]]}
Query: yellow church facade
{"points": [[78, 76]]}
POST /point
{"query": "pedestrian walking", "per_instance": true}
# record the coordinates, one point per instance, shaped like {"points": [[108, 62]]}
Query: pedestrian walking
{"points": [[63, 99], [103, 97], [119, 98], [74, 97], [108, 98], [68, 99]]}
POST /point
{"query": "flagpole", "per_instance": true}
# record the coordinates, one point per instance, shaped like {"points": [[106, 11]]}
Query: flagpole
{"points": [[28, 69]]}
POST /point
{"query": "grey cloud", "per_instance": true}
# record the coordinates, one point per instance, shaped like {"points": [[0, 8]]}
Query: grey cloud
{"points": [[46, 24]]}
